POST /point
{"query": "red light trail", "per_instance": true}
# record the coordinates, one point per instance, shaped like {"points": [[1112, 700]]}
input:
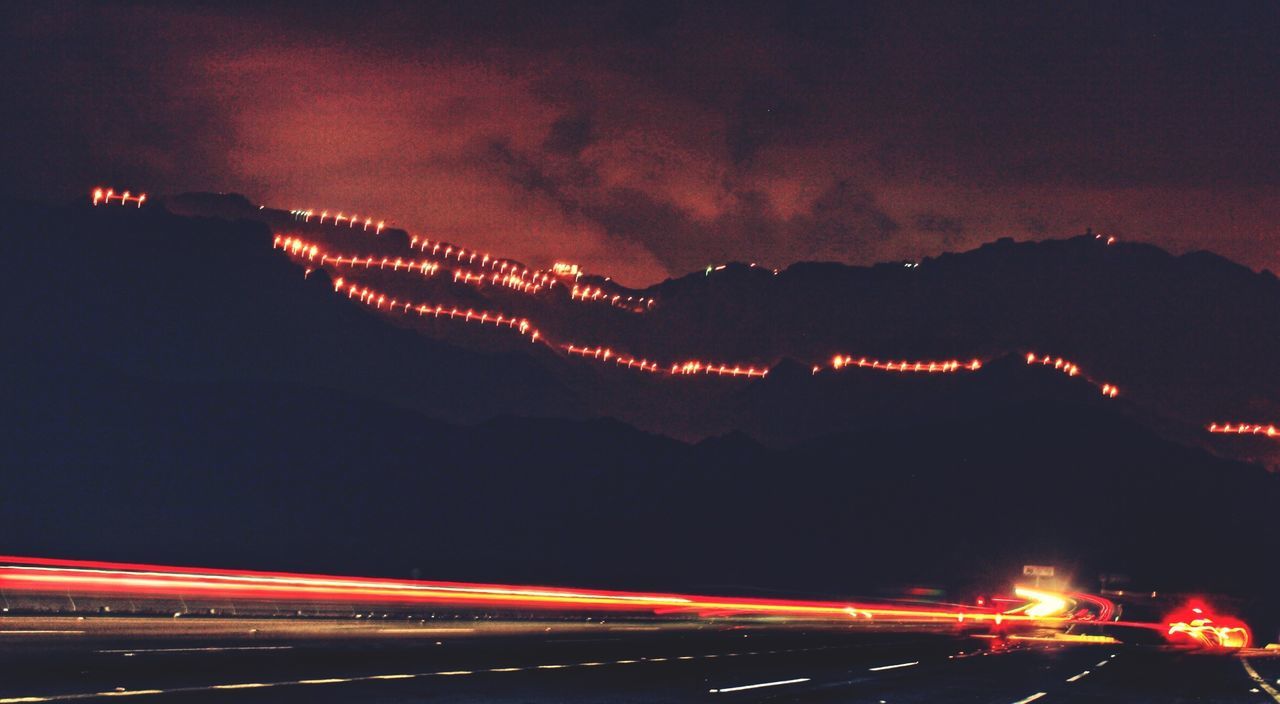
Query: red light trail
{"points": [[43, 575], [1196, 625]]}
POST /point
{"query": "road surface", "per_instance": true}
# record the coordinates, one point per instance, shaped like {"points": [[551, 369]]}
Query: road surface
{"points": [[56, 659]]}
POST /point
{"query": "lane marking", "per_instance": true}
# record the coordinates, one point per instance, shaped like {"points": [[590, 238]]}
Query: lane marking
{"points": [[777, 683], [892, 667], [1271, 691], [1076, 677], [127, 651], [1031, 698], [368, 678], [424, 630]]}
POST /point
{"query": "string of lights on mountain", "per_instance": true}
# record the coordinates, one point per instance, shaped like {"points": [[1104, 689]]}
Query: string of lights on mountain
{"points": [[462, 266]]}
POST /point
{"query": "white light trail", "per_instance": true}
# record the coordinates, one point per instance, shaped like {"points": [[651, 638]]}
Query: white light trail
{"points": [[740, 688]]}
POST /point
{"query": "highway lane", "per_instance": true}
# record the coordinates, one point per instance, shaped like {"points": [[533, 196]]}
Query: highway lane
{"points": [[529, 664]]}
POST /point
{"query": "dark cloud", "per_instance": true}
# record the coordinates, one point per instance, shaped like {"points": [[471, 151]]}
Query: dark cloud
{"points": [[949, 228], [844, 219], [569, 135]]}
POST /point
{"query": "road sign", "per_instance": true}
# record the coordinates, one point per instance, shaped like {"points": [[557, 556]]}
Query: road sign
{"points": [[1037, 570]]}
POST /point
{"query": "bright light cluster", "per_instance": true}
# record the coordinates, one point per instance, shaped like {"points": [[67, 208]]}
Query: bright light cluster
{"points": [[1204, 633], [1269, 430], [105, 196], [1040, 603], [1196, 624]]}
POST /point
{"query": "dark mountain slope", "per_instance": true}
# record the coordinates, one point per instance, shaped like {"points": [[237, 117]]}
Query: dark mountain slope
{"points": [[157, 296], [1189, 339]]}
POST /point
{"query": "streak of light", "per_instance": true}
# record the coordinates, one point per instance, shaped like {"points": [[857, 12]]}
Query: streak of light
{"points": [[1031, 698], [776, 683], [426, 631], [893, 667], [1076, 678], [221, 649], [1106, 607], [46, 575], [1044, 603]]}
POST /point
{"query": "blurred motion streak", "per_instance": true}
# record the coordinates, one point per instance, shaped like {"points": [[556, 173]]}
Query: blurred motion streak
{"points": [[79, 577]]}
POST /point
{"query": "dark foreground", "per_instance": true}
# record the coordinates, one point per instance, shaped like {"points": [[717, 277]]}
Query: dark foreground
{"points": [[63, 659]]}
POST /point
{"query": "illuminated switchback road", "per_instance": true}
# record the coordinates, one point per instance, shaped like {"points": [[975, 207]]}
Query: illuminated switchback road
{"points": [[526, 663]]}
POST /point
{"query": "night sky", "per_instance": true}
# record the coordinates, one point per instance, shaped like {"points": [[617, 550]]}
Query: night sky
{"points": [[649, 139]]}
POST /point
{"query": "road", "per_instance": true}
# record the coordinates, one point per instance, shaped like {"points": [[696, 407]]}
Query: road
{"points": [[56, 659]]}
